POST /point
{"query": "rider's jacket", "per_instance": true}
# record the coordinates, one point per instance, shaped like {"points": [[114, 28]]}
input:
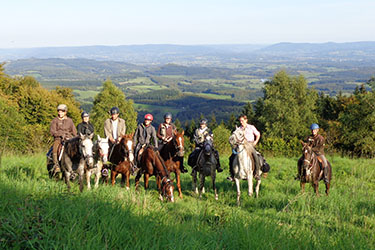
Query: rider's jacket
{"points": [[63, 128], [108, 128], [200, 136], [317, 143], [165, 131], [144, 135], [85, 128]]}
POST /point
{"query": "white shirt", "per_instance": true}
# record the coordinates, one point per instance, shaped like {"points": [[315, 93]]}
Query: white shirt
{"points": [[114, 126], [251, 132]]}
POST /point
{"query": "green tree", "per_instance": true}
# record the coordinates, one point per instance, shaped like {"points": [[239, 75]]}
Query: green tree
{"points": [[213, 123], [111, 96], [221, 140]]}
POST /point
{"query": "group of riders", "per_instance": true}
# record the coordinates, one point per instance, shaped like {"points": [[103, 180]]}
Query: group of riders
{"points": [[62, 129]]}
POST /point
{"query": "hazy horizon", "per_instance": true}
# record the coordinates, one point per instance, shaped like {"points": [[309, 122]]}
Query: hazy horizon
{"points": [[42, 23]]}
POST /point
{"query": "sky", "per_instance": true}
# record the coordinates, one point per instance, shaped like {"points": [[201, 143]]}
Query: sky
{"points": [[51, 23]]}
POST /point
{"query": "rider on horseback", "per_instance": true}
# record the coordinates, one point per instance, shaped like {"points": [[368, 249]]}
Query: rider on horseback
{"points": [[252, 135], [143, 135], [85, 127], [114, 127], [200, 136], [166, 132], [62, 128], [316, 141]]}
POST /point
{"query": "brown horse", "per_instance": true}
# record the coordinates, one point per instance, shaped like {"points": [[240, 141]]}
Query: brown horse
{"points": [[173, 156], [152, 164], [311, 169], [122, 159]]}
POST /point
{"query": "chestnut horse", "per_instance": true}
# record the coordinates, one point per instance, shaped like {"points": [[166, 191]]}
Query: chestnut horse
{"points": [[312, 169], [150, 164], [123, 160], [173, 156]]}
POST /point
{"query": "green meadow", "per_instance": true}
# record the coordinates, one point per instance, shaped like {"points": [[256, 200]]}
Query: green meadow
{"points": [[38, 213]]}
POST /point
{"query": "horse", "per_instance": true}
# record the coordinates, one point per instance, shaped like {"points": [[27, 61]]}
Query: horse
{"points": [[122, 159], [206, 166], [173, 156], [312, 169], [243, 164], [151, 163], [77, 157], [100, 149]]}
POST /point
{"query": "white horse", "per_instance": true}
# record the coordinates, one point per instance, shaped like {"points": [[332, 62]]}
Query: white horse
{"points": [[101, 149], [243, 164]]}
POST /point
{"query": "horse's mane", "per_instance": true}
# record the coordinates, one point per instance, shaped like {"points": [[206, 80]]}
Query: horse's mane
{"points": [[72, 147], [248, 147], [237, 135]]}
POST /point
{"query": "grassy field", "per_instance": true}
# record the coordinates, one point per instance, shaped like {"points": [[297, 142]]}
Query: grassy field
{"points": [[38, 213]]}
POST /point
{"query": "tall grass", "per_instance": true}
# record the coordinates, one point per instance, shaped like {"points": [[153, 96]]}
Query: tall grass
{"points": [[36, 212]]}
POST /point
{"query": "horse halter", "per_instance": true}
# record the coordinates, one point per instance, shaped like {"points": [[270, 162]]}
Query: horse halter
{"points": [[88, 157], [180, 151]]}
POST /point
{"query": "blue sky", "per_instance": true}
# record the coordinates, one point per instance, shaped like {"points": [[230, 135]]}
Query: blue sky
{"points": [[42, 23]]}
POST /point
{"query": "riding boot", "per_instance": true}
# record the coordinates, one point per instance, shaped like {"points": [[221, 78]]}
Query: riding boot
{"points": [[325, 173], [183, 169], [257, 165], [56, 165], [231, 174]]}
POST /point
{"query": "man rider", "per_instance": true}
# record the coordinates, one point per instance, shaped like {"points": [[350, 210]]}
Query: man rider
{"points": [[85, 127], [200, 136], [166, 132], [144, 134], [62, 128], [114, 127], [316, 141], [252, 135]]}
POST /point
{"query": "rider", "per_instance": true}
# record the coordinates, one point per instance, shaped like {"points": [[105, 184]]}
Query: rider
{"points": [[62, 128], [143, 135], [200, 136], [114, 127], [316, 141], [252, 135], [166, 132], [85, 127]]}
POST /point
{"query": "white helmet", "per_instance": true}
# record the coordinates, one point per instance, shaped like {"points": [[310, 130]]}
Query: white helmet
{"points": [[62, 107]]}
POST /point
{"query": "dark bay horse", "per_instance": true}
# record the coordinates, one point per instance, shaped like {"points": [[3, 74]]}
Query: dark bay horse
{"points": [[312, 169], [206, 166], [77, 157], [122, 159], [151, 163], [173, 156]]}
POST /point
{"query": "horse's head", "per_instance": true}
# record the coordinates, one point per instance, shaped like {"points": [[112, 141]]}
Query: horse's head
{"points": [[307, 156], [103, 147], [208, 145], [128, 146], [178, 141], [86, 148], [237, 137], [167, 189]]}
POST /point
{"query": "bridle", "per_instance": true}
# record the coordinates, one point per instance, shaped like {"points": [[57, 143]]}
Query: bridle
{"points": [[179, 148], [166, 182]]}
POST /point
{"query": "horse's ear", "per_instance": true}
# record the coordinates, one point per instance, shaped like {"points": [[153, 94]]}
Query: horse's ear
{"points": [[81, 135], [183, 132], [91, 136], [99, 138], [303, 144]]}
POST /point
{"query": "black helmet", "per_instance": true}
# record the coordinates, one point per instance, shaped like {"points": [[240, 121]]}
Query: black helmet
{"points": [[84, 114], [168, 115], [203, 121], [114, 110]]}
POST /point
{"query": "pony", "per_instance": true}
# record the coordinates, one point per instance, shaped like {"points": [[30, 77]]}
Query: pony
{"points": [[100, 149], [77, 157], [243, 164], [206, 166], [312, 169], [173, 155], [122, 160], [151, 163]]}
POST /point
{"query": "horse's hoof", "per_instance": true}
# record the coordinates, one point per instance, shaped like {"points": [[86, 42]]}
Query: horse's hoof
{"points": [[127, 188], [216, 197]]}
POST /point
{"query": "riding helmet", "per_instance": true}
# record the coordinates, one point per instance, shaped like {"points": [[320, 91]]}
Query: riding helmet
{"points": [[314, 126], [168, 115], [84, 114], [62, 107], [149, 117], [203, 121], [114, 110]]}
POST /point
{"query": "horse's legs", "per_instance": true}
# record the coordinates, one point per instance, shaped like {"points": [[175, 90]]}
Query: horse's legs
{"points": [[158, 184], [213, 177], [327, 188], [201, 184], [302, 184], [139, 174], [81, 172], [178, 183], [127, 180], [250, 183], [88, 178], [257, 188], [194, 183], [97, 175], [113, 177], [238, 191], [123, 180], [146, 176], [67, 179], [316, 187]]}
